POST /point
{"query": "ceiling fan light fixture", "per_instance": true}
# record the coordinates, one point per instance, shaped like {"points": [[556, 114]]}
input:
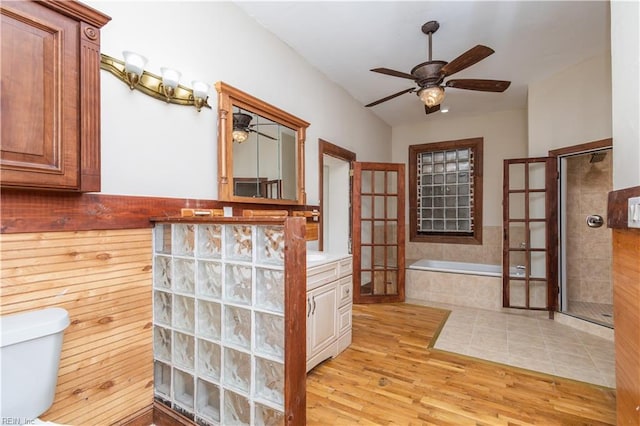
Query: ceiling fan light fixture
{"points": [[239, 135], [431, 96]]}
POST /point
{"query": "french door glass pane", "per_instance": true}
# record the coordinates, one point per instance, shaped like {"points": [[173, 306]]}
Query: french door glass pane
{"points": [[366, 232], [538, 294], [366, 182], [536, 205], [516, 176], [392, 256], [392, 207], [392, 282], [517, 233], [537, 235], [538, 264], [378, 203], [392, 232], [537, 175], [365, 258], [392, 182], [379, 231], [517, 293], [379, 182], [366, 207], [516, 206], [365, 282]]}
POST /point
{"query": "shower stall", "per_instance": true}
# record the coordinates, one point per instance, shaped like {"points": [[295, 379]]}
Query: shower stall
{"points": [[585, 241]]}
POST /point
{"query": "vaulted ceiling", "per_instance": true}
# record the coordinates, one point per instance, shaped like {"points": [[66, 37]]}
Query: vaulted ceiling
{"points": [[344, 40]]}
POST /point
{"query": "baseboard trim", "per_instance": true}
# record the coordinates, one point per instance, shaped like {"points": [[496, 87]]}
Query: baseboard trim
{"points": [[143, 417], [155, 414], [165, 416]]}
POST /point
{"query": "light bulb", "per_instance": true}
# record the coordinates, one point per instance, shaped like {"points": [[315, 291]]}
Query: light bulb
{"points": [[432, 96]]}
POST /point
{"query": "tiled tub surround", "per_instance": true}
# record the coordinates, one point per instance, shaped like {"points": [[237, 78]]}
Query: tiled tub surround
{"points": [[490, 251], [219, 321]]}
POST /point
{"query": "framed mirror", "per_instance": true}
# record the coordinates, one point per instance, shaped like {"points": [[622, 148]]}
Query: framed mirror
{"points": [[260, 150]]}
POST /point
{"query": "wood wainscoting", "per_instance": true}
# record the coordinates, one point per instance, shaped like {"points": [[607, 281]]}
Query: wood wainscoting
{"points": [[103, 279]]}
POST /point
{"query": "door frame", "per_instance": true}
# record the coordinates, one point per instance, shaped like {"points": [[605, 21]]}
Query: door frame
{"points": [[335, 151], [560, 154]]}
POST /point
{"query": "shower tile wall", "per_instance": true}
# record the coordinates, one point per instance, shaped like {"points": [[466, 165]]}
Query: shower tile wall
{"points": [[588, 251], [218, 323]]}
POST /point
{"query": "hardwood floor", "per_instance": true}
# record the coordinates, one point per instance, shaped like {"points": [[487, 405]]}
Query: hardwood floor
{"points": [[390, 375]]}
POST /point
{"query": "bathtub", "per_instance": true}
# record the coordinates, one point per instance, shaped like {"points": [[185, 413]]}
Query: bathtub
{"points": [[475, 285], [482, 269]]}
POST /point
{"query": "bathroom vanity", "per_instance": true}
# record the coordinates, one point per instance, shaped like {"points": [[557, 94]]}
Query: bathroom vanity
{"points": [[329, 303]]}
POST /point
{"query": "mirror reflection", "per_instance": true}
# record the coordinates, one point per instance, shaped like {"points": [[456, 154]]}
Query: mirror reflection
{"points": [[260, 150], [264, 157]]}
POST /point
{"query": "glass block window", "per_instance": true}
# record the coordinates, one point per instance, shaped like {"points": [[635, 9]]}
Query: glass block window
{"points": [[445, 191]]}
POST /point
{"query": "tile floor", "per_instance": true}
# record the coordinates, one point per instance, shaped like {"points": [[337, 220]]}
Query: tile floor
{"points": [[527, 340]]}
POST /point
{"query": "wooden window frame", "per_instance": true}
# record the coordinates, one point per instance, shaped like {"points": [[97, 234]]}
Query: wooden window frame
{"points": [[474, 237]]}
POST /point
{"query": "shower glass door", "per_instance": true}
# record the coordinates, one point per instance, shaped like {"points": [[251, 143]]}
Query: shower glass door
{"points": [[529, 265], [378, 232]]}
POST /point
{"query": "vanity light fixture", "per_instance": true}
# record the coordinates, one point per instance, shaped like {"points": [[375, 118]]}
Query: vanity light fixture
{"points": [[200, 93], [170, 79], [165, 87], [431, 95], [133, 67]]}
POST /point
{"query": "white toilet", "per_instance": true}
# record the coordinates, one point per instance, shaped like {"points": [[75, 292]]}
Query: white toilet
{"points": [[30, 345]]}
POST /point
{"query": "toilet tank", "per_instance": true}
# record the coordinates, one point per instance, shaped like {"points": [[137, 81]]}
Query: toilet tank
{"points": [[30, 345]]}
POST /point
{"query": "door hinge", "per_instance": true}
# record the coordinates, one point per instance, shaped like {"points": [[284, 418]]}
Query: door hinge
{"points": [[350, 172]]}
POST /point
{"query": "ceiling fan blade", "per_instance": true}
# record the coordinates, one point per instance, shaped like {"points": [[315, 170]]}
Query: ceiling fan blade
{"points": [[394, 73], [480, 85], [379, 101], [262, 134], [468, 58], [428, 110]]}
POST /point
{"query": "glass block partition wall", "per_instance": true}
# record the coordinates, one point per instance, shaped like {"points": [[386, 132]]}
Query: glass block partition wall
{"points": [[219, 306]]}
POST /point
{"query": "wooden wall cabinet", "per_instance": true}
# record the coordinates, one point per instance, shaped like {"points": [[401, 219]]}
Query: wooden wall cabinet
{"points": [[50, 95]]}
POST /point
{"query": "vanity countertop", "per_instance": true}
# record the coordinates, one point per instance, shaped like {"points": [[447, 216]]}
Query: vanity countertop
{"points": [[317, 258]]}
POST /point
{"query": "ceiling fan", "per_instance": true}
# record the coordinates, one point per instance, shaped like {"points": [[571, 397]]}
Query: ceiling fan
{"points": [[429, 76], [242, 126]]}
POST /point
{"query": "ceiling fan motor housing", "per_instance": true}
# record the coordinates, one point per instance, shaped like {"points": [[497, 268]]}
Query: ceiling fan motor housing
{"points": [[428, 73], [241, 120]]}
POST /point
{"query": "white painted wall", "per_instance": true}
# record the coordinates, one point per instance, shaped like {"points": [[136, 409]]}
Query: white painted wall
{"points": [[151, 148], [505, 136], [625, 63], [570, 107], [336, 205]]}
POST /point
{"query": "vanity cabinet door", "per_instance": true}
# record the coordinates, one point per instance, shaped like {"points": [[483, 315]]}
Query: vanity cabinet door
{"points": [[322, 327], [50, 95]]}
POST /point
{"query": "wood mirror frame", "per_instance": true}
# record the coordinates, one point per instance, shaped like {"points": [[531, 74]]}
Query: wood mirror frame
{"points": [[230, 97]]}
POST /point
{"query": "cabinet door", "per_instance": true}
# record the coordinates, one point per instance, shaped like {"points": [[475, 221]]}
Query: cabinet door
{"points": [[50, 96], [321, 326]]}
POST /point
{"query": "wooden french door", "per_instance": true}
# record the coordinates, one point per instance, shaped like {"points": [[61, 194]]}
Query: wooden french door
{"points": [[378, 232], [530, 246]]}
